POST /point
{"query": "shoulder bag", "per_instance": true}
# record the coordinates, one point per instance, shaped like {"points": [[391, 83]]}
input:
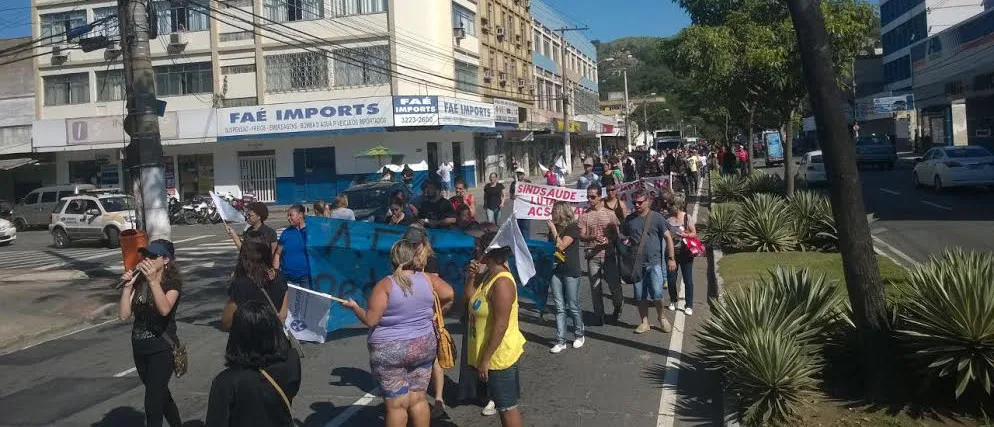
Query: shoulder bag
{"points": [[279, 390], [446, 354], [289, 335], [180, 359], [693, 246], [629, 266]]}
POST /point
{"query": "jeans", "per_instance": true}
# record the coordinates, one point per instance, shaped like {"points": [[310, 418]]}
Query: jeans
{"points": [[650, 288], [687, 268], [155, 370], [566, 291], [504, 388], [601, 270], [492, 215]]}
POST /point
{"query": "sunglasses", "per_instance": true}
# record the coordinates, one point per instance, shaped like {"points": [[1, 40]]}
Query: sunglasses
{"points": [[638, 202], [610, 189]]}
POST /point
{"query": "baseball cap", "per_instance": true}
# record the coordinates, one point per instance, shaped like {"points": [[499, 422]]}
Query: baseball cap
{"points": [[158, 248], [415, 234], [519, 170]]}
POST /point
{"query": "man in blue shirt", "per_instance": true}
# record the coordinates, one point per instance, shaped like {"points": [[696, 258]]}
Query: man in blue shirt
{"points": [[291, 250]]}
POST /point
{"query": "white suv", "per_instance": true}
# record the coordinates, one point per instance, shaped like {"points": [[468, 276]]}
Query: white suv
{"points": [[101, 217]]}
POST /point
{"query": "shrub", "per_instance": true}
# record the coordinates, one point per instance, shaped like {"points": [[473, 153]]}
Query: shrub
{"points": [[722, 226], [765, 183], [947, 319], [812, 213], [728, 188], [766, 225]]}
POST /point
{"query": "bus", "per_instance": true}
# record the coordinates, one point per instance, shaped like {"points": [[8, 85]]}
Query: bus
{"points": [[667, 139]]}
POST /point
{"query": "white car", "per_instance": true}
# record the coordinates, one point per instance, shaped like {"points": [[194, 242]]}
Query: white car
{"points": [[944, 167], [811, 170], [7, 232], [101, 217]]}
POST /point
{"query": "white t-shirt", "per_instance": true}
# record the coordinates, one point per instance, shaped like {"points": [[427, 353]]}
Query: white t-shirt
{"points": [[445, 171]]}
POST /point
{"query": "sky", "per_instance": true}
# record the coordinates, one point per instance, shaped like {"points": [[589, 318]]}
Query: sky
{"points": [[607, 21]]}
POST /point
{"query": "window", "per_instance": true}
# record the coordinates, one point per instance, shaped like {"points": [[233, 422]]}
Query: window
{"points": [[464, 18], [293, 10], [109, 27], [898, 69], [31, 199], [364, 66], [240, 35], [559, 99], [236, 3], [56, 24], [238, 69], [546, 47], [911, 31], [183, 79], [180, 17], [466, 77], [67, 89], [110, 85], [537, 40], [296, 71], [895, 8], [357, 7], [550, 94], [240, 102], [48, 197], [66, 193]]}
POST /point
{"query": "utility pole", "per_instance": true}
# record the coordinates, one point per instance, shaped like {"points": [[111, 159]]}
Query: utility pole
{"points": [[628, 133], [567, 151], [143, 155], [645, 123]]}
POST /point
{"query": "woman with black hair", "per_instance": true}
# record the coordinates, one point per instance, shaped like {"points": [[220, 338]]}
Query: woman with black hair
{"points": [[151, 293], [255, 280], [263, 373]]}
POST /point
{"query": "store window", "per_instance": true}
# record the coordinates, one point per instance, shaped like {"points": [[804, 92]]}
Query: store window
{"points": [[196, 175]]}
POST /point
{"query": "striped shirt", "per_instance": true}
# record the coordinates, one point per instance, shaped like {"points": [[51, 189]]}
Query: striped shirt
{"points": [[595, 225]]}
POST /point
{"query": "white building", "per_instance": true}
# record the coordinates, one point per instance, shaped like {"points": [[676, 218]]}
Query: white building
{"points": [[277, 97], [18, 170]]}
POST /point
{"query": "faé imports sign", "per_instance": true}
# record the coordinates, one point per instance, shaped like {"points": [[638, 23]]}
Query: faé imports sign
{"points": [[505, 111], [463, 112], [415, 111], [297, 117]]}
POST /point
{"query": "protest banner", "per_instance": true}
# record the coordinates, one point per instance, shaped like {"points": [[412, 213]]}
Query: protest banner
{"points": [[534, 201], [347, 258]]}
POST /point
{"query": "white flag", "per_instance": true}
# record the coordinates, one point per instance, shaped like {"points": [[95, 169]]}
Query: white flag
{"points": [[509, 236], [307, 314], [227, 212], [543, 168]]}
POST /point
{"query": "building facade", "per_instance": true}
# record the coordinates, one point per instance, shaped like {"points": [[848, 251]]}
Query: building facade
{"points": [[19, 171], [280, 99]]}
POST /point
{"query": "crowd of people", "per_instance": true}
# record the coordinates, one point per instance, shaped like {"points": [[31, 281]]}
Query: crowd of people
{"points": [[263, 369]]}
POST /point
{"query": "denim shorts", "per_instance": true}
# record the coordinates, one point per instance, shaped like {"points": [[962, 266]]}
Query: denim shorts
{"points": [[651, 286], [504, 388]]}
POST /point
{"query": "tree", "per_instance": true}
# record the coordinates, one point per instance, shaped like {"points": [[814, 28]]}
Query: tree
{"points": [[866, 291]]}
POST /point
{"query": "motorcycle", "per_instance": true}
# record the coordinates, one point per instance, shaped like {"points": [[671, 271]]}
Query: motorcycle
{"points": [[177, 215]]}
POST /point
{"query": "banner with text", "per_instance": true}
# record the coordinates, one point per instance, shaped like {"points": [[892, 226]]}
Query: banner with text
{"points": [[463, 112], [415, 111], [347, 258], [534, 201], [314, 116]]}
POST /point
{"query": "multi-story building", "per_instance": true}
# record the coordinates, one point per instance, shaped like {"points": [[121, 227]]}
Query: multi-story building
{"points": [[907, 22], [19, 171], [505, 70], [277, 97], [559, 54]]}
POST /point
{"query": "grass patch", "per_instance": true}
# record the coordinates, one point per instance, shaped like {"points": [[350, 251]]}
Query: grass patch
{"points": [[744, 268], [826, 412]]}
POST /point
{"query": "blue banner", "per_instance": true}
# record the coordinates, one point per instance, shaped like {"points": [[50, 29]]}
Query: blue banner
{"points": [[347, 258]]}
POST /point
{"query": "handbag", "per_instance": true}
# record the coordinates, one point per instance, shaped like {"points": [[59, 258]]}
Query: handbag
{"points": [[289, 335], [279, 390], [446, 354], [692, 246], [627, 264], [181, 360]]}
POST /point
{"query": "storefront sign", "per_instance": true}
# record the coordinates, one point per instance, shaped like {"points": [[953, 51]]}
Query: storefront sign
{"points": [[415, 111], [315, 116], [574, 126], [893, 104], [462, 112], [505, 111], [110, 129]]}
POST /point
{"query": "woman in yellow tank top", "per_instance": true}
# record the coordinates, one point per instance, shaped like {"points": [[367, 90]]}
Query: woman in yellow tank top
{"points": [[495, 343]]}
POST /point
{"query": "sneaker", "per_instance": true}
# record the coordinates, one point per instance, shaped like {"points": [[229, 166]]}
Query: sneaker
{"points": [[643, 328], [672, 306], [688, 311], [578, 342], [489, 410], [556, 349], [665, 325]]}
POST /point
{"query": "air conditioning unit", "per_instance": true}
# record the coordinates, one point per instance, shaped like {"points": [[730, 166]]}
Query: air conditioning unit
{"points": [[500, 31], [177, 40], [488, 74], [459, 33], [59, 54]]}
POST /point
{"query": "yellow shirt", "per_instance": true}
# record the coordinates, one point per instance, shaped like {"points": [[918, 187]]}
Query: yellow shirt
{"points": [[481, 323]]}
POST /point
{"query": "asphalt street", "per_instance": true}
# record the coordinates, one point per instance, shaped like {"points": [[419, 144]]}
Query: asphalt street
{"points": [[617, 378], [914, 224]]}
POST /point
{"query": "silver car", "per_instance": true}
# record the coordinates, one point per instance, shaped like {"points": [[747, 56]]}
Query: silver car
{"points": [[875, 150]]}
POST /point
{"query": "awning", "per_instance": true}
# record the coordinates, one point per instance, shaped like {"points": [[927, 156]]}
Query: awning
{"points": [[8, 164]]}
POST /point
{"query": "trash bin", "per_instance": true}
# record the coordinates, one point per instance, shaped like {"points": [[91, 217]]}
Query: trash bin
{"points": [[131, 240]]}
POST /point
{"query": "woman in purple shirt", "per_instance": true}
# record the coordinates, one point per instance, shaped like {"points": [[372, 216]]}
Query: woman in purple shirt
{"points": [[402, 342]]}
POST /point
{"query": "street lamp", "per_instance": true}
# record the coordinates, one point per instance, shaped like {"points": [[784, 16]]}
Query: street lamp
{"points": [[624, 72]]}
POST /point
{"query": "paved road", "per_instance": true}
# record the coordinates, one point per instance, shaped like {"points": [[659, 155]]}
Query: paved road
{"points": [[618, 378], [916, 223]]}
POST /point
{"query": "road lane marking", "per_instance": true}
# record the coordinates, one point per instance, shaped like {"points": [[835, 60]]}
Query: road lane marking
{"points": [[935, 205], [666, 417], [352, 410], [125, 372], [885, 190], [894, 250], [104, 255], [86, 328]]}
